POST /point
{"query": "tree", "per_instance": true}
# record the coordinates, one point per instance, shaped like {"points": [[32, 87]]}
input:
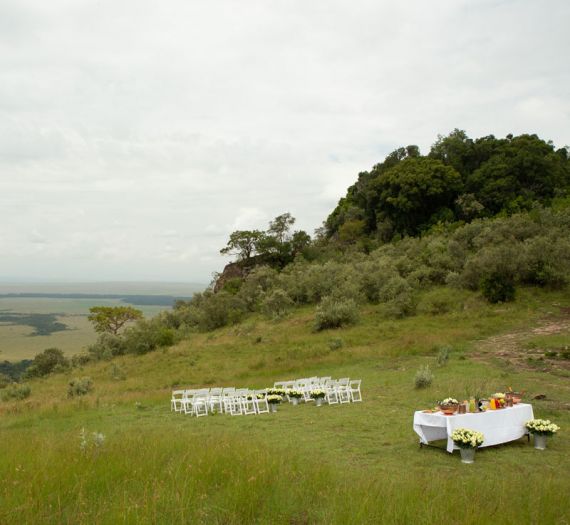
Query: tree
{"points": [[111, 319], [243, 244], [280, 226], [413, 191], [46, 362]]}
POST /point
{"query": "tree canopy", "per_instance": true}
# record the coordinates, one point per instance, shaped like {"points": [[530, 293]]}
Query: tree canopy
{"points": [[110, 319], [275, 247], [460, 179]]}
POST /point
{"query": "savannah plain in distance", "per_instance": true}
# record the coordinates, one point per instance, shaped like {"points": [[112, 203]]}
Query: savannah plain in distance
{"points": [[23, 316]]}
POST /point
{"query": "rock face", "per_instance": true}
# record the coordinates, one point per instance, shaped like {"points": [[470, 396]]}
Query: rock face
{"points": [[231, 271]]}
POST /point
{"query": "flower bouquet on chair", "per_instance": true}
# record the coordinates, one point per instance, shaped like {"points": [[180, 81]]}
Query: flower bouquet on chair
{"points": [[467, 440]]}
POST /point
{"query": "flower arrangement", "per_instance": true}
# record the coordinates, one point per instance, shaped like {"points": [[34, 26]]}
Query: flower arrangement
{"points": [[466, 438], [274, 399], [260, 396], [542, 427], [317, 394], [295, 393], [277, 391], [449, 406]]}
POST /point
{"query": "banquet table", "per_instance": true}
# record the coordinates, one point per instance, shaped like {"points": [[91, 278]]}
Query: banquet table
{"points": [[498, 426]]}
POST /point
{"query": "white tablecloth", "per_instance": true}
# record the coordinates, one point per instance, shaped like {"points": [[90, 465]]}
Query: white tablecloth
{"points": [[498, 426]]}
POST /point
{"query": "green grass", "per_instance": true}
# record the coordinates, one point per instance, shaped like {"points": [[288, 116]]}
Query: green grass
{"points": [[357, 463]]}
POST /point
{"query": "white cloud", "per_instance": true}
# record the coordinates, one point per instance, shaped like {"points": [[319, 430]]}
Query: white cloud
{"points": [[135, 135]]}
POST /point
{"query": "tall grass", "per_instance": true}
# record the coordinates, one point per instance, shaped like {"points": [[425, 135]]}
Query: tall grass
{"points": [[349, 464]]}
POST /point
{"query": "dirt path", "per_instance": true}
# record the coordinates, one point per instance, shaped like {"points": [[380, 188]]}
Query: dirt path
{"points": [[517, 348]]}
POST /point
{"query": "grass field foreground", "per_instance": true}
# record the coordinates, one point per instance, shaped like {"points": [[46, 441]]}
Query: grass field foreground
{"points": [[357, 463]]}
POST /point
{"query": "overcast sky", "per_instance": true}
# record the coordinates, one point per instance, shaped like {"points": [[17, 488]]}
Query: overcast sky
{"points": [[136, 135]]}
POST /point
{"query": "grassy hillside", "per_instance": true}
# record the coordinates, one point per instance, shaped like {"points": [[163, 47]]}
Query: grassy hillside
{"points": [[341, 464]]}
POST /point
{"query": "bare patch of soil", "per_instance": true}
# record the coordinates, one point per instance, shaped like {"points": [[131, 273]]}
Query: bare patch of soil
{"points": [[512, 350]]}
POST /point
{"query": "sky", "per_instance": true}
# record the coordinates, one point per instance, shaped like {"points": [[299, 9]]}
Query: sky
{"points": [[136, 135]]}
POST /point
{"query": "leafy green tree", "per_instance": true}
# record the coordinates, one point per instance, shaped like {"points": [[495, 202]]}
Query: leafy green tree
{"points": [[46, 362], [243, 244], [522, 170], [280, 226], [111, 319], [414, 190]]}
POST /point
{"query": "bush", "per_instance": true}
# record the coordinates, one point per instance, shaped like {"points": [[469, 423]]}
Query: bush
{"points": [[79, 387], [81, 359], [5, 380], [147, 336], [439, 301], [497, 288], [16, 391], [276, 304], [46, 362], [106, 347], [424, 377], [443, 355], [336, 344], [117, 373], [333, 313]]}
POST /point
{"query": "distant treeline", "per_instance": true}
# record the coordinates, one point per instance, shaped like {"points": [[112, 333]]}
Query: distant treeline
{"points": [[140, 300], [43, 324], [14, 370]]}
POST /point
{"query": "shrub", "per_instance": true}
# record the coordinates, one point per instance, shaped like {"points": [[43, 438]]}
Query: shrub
{"points": [[399, 297], [333, 313], [81, 359], [5, 380], [439, 301], [336, 344], [497, 288], [443, 355], [147, 336], [106, 347], [16, 391], [46, 362], [424, 377], [276, 304], [117, 373], [258, 282], [79, 387]]}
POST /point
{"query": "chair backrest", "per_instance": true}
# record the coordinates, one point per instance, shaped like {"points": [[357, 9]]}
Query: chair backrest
{"points": [[343, 381], [278, 384], [176, 393], [355, 383], [215, 391]]}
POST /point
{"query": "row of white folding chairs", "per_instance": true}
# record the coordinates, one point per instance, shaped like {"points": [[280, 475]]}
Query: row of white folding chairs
{"points": [[234, 401], [181, 397], [342, 391], [304, 385]]}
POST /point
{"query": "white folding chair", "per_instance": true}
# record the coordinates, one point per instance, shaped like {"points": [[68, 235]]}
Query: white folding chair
{"points": [[261, 404], [215, 399], [176, 400], [354, 390], [200, 405], [331, 396], [342, 390], [248, 403]]}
